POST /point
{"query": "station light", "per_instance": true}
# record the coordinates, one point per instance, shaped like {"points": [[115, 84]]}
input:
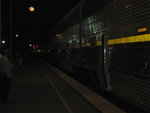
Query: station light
{"points": [[3, 42], [17, 35], [143, 29], [110, 48], [30, 45], [31, 9], [39, 51]]}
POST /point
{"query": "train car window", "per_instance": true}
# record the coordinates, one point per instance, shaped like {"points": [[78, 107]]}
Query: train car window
{"points": [[105, 60], [75, 55], [93, 41], [130, 59], [142, 60], [120, 60]]}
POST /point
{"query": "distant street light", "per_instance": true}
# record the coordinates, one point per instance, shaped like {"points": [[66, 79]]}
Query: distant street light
{"points": [[31, 9], [30, 45], [17, 35], [3, 42]]}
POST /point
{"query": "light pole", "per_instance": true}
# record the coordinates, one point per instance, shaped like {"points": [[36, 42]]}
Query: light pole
{"points": [[11, 59], [31, 9], [0, 24]]}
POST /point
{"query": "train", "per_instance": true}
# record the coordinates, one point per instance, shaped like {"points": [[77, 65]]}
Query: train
{"points": [[108, 43]]}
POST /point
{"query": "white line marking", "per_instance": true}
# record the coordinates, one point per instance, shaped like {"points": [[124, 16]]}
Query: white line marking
{"points": [[59, 94], [99, 102]]}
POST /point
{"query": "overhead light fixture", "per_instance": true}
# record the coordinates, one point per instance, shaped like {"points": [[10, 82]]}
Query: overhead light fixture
{"points": [[31, 9], [17, 35], [3, 42]]}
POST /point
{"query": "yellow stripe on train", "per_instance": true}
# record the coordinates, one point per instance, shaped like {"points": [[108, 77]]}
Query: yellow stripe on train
{"points": [[131, 39]]}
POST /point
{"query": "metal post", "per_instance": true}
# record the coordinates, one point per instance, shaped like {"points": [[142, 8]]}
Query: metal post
{"points": [[80, 34], [11, 60], [0, 22]]}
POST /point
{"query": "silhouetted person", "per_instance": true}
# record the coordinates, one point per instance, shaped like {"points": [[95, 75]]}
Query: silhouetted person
{"points": [[5, 76]]}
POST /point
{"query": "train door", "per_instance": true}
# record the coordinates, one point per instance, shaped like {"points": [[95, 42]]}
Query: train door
{"points": [[68, 56], [105, 59]]}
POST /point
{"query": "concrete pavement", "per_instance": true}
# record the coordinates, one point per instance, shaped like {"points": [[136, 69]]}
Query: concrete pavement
{"points": [[36, 89]]}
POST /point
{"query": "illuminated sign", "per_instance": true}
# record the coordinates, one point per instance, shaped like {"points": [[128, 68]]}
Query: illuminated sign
{"points": [[30, 45], [3, 42], [17, 35], [142, 29]]}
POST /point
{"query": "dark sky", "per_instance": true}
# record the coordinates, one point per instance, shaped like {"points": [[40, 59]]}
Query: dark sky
{"points": [[33, 26]]}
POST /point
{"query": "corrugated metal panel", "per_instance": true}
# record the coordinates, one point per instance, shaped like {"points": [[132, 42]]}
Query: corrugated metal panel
{"points": [[115, 14], [117, 17], [92, 19], [130, 74], [130, 11], [132, 87]]}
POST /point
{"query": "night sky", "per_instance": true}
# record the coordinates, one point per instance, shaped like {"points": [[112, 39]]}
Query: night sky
{"points": [[33, 26]]}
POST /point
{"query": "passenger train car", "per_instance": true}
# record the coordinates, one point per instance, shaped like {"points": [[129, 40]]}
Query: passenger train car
{"points": [[108, 43]]}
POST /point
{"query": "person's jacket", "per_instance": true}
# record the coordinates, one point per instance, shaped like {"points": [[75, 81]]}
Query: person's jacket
{"points": [[5, 66]]}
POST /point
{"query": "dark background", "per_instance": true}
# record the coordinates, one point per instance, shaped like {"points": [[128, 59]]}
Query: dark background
{"points": [[32, 27]]}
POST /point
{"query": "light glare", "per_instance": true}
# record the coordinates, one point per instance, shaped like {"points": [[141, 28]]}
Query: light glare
{"points": [[31, 8], [3, 42], [17, 35], [30, 45]]}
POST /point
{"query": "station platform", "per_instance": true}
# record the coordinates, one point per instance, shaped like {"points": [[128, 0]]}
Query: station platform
{"points": [[40, 88]]}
